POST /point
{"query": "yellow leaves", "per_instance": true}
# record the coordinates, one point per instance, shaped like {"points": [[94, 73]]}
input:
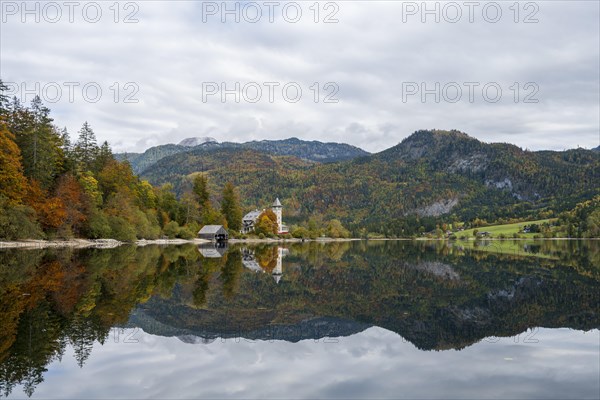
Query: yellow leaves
{"points": [[267, 223], [115, 177], [90, 186], [145, 194]]}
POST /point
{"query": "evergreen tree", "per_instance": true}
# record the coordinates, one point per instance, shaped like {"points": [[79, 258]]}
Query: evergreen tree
{"points": [[201, 190], [86, 148], [104, 156], [230, 207], [4, 102], [70, 162], [38, 140]]}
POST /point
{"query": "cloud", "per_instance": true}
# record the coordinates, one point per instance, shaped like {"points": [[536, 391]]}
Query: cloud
{"points": [[369, 54], [375, 363]]}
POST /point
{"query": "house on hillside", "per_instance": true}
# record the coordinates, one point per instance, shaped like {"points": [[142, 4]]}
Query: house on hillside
{"points": [[215, 233], [249, 220]]}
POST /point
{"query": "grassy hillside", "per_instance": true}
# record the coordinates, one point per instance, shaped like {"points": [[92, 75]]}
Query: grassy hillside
{"points": [[507, 229]]}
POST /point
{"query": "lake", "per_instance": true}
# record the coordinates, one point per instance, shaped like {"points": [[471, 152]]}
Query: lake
{"points": [[362, 319]]}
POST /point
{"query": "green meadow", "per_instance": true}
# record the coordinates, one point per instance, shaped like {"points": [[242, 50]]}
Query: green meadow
{"points": [[507, 230]]}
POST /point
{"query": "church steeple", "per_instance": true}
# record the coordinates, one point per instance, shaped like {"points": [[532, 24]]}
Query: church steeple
{"points": [[278, 210]]}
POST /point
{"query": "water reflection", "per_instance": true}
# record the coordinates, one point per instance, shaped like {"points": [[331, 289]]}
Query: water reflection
{"points": [[213, 250], [436, 296], [269, 261]]}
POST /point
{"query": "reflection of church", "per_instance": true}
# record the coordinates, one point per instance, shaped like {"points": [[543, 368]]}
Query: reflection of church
{"points": [[266, 263]]}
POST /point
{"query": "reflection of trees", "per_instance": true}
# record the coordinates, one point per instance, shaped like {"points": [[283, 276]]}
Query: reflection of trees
{"points": [[336, 250], [201, 288], [82, 333], [37, 344], [49, 298], [267, 256], [230, 272]]}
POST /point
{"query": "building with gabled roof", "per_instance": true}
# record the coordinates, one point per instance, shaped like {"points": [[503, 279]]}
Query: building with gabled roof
{"points": [[250, 219], [215, 233]]}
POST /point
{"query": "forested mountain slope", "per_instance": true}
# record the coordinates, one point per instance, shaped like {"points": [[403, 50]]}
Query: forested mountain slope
{"points": [[430, 176], [307, 150]]}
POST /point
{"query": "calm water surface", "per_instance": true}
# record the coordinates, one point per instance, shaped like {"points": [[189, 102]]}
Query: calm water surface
{"points": [[378, 319]]}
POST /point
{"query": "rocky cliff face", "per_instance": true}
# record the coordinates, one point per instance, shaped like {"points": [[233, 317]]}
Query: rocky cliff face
{"points": [[437, 208]]}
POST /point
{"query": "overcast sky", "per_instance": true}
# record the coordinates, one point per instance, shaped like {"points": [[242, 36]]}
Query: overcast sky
{"points": [[378, 56]]}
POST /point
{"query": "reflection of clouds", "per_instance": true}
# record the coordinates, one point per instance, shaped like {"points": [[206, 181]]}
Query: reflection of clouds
{"points": [[374, 363]]}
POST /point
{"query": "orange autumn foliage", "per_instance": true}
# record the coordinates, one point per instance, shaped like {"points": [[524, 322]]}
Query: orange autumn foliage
{"points": [[53, 213], [50, 211], [74, 201], [13, 183]]}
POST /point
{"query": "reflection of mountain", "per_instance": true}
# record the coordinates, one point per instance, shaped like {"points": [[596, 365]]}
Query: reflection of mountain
{"points": [[316, 328]]}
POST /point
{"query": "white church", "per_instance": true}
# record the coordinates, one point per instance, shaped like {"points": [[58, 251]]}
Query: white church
{"points": [[250, 219]]}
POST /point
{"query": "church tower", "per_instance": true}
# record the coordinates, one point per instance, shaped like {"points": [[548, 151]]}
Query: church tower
{"points": [[278, 209]]}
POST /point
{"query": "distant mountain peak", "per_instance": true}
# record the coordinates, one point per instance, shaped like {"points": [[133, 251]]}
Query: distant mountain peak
{"points": [[438, 134], [197, 141], [428, 143]]}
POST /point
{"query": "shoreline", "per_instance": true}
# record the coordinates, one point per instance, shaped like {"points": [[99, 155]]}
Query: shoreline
{"points": [[113, 243], [91, 243]]}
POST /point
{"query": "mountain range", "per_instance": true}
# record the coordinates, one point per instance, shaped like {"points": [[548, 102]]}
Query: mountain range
{"points": [[306, 150], [430, 176]]}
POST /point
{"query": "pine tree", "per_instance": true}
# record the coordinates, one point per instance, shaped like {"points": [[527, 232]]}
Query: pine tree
{"points": [[38, 140], [4, 102], [201, 190], [66, 141], [70, 162], [104, 156], [230, 207], [86, 148]]}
